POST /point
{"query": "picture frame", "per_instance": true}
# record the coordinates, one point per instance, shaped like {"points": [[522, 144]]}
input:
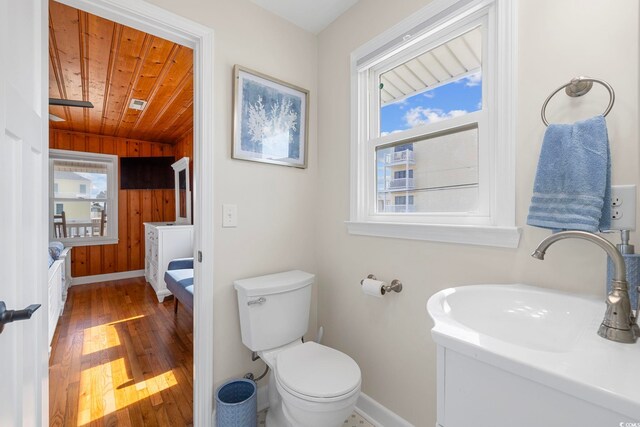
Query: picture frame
{"points": [[270, 120]]}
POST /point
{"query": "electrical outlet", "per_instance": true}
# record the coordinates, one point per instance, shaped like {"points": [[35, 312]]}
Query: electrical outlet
{"points": [[623, 207]]}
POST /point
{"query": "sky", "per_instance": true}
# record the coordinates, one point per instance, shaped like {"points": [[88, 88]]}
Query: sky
{"points": [[98, 182], [451, 100], [447, 101]]}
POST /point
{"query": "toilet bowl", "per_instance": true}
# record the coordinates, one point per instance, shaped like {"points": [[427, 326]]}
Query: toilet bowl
{"points": [[311, 385]]}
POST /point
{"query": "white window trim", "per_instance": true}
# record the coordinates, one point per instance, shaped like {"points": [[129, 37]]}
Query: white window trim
{"points": [[112, 188], [496, 229]]}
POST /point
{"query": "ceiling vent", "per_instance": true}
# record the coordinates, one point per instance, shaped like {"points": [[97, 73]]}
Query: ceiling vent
{"points": [[137, 104]]}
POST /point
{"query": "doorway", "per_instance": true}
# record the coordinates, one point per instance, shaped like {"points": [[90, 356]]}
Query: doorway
{"points": [[159, 24]]}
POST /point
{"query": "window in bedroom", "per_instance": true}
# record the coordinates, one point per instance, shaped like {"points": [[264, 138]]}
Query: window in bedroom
{"points": [[83, 198], [433, 127]]}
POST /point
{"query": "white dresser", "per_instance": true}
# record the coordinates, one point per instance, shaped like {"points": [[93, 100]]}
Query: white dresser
{"points": [[164, 242]]}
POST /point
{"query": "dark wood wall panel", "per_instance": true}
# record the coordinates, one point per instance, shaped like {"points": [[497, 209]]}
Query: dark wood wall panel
{"points": [[134, 206]]}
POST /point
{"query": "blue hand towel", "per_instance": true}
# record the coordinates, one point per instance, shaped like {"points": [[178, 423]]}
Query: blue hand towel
{"points": [[572, 189]]}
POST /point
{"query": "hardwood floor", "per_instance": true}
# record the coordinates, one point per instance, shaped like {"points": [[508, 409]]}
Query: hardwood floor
{"points": [[119, 358]]}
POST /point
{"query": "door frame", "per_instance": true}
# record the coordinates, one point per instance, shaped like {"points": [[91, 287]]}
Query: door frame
{"points": [[159, 22]]}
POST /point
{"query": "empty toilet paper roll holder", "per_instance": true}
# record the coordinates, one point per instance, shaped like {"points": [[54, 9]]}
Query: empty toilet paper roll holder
{"points": [[396, 285]]}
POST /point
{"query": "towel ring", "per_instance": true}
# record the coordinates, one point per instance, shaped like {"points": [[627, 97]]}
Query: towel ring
{"points": [[579, 86]]}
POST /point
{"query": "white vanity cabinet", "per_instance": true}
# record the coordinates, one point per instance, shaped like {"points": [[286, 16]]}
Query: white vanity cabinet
{"points": [[474, 393], [519, 355], [163, 243]]}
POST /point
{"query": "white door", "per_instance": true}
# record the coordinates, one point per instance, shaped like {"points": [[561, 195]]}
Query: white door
{"points": [[23, 211]]}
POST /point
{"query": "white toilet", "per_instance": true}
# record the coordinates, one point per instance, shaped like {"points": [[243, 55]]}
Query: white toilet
{"points": [[310, 385]]}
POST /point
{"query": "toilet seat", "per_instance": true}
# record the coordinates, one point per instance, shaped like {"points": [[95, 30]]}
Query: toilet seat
{"points": [[313, 372]]}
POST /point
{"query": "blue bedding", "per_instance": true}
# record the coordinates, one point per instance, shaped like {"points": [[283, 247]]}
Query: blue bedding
{"points": [[179, 280], [55, 249]]}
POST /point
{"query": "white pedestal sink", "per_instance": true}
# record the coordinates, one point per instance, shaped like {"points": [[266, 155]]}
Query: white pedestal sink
{"points": [[517, 355]]}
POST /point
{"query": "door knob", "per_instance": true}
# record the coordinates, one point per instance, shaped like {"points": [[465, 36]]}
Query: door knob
{"points": [[8, 316]]}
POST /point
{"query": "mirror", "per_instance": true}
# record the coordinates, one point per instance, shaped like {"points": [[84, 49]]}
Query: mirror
{"points": [[183, 191]]}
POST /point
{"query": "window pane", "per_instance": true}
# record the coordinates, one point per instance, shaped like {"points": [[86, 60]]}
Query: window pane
{"points": [[79, 180], [437, 174], [79, 198], [437, 85]]}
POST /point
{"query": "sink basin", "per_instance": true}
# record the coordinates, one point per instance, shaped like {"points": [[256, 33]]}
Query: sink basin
{"points": [[535, 336], [520, 315]]}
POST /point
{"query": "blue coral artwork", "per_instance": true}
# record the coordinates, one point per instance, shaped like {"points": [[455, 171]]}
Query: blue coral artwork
{"points": [[270, 120]]}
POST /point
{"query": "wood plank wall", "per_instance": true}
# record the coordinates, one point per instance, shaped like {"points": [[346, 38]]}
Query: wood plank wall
{"points": [[134, 206], [184, 147]]}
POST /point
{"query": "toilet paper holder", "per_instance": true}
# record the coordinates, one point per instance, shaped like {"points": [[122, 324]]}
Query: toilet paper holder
{"points": [[396, 285]]}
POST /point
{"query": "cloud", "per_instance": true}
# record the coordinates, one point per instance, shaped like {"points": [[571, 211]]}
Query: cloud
{"points": [[400, 104], [394, 131], [421, 116], [473, 79]]}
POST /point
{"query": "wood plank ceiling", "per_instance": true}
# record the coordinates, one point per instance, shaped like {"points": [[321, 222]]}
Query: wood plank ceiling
{"points": [[93, 59]]}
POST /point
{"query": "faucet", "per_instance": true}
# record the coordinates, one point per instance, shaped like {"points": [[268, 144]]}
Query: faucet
{"points": [[619, 324]]}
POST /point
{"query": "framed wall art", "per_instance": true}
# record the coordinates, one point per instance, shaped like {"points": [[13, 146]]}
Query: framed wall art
{"points": [[270, 120]]}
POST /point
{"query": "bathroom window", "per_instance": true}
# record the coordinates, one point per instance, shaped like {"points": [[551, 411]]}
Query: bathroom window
{"points": [[433, 127]]}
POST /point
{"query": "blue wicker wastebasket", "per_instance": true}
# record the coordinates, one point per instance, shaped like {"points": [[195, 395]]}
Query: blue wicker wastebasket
{"points": [[237, 404]]}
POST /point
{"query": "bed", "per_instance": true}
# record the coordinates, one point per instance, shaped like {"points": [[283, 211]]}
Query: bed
{"points": [[179, 280]]}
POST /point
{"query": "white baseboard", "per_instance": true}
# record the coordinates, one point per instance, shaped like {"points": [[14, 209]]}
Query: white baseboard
{"points": [[368, 408], [377, 414], [106, 277]]}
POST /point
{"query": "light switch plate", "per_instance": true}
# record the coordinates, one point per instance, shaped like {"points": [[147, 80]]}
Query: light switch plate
{"points": [[229, 215]]}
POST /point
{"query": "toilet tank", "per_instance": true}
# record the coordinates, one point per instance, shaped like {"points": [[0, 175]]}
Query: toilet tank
{"points": [[274, 309]]}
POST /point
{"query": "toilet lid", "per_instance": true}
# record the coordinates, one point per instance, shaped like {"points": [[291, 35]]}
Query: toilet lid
{"points": [[314, 370]]}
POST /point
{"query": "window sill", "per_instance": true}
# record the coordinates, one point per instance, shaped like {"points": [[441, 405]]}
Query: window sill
{"points": [[505, 237], [88, 242]]}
